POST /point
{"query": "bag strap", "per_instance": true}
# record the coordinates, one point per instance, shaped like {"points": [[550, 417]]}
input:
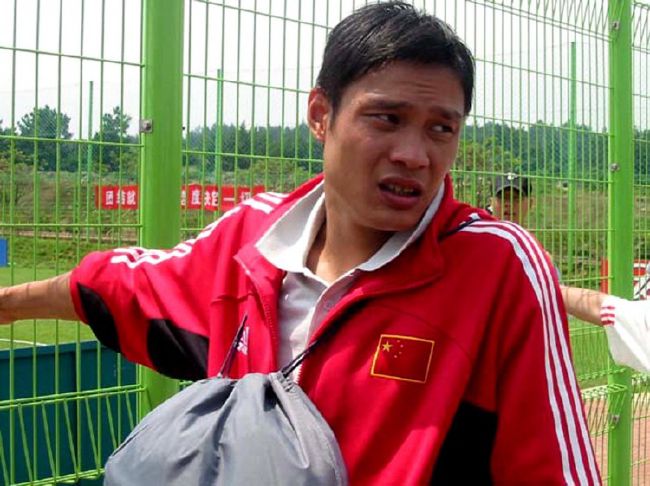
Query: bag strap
{"points": [[297, 361], [230, 356], [288, 368]]}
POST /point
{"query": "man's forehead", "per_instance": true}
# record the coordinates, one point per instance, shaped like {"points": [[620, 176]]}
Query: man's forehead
{"points": [[419, 86]]}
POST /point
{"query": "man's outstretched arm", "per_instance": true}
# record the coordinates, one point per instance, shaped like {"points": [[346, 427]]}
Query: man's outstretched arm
{"points": [[48, 299]]}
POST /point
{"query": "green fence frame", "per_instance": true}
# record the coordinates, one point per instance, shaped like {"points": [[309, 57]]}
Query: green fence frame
{"points": [[562, 97], [621, 214]]}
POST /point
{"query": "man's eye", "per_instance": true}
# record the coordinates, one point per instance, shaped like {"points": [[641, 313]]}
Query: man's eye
{"points": [[387, 117], [442, 129]]}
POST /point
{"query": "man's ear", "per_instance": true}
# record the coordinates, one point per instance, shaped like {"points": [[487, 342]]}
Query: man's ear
{"points": [[319, 113]]}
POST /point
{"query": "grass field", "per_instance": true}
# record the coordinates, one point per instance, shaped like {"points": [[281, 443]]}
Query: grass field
{"points": [[37, 332]]}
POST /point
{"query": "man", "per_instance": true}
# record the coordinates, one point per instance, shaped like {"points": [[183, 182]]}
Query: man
{"points": [[424, 380], [626, 323], [511, 198]]}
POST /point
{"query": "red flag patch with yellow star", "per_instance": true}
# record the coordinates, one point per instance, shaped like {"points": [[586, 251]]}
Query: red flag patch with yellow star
{"points": [[404, 358]]}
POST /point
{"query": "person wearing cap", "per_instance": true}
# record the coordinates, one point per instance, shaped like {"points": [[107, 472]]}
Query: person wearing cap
{"points": [[422, 379], [511, 199]]}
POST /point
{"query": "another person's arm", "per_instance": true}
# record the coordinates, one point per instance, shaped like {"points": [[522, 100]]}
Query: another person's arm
{"points": [[47, 299], [626, 323], [585, 304]]}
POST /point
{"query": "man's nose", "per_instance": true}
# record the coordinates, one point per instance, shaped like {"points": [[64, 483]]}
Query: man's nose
{"points": [[410, 150]]}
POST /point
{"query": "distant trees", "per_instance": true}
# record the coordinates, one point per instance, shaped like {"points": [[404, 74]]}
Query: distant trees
{"points": [[115, 150], [43, 136], [544, 149], [38, 128], [241, 145]]}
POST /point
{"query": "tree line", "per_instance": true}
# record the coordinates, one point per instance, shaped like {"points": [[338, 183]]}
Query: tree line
{"points": [[43, 137]]}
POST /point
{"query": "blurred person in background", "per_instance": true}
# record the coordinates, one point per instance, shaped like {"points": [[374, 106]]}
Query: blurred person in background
{"points": [[511, 198]]}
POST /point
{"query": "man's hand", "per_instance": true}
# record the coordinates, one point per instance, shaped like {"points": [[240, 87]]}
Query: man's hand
{"points": [[48, 299]]}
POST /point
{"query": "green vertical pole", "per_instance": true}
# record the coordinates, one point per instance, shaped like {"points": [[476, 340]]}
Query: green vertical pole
{"points": [[89, 160], [572, 154], [161, 127], [218, 142], [621, 206]]}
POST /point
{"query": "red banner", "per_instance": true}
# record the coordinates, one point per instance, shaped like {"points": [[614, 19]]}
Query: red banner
{"points": [[116, 197], [640, 276], [193, 196]]}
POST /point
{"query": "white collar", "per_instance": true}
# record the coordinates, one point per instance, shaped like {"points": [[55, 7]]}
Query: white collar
{"points": [[287, 242]]}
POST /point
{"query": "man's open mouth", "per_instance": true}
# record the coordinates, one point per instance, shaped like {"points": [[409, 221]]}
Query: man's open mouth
{"points": [[400, 190]]}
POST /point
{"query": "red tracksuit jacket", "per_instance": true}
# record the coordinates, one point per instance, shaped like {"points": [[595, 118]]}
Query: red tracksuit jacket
{"points": [[452, 365]]}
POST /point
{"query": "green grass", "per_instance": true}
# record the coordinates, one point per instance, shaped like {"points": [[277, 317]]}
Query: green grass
{"points": [[41, 331]]}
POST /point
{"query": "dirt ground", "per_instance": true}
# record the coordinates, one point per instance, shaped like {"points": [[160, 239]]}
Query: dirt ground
{"points": [[597, 418]]}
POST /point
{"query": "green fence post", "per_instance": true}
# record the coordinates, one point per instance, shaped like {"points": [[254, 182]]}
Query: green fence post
{"points": [[161, 127], [621, 206]]}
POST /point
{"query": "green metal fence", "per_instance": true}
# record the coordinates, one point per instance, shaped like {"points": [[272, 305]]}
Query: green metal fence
{"points": [[129, 121]]}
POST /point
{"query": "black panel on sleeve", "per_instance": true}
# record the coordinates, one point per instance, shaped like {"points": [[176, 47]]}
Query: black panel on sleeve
{"points": [[99, 317], [467, 450], [175, 352]]}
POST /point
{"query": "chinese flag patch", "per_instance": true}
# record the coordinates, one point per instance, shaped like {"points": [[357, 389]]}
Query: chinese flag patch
{"points": [[403, 358]]}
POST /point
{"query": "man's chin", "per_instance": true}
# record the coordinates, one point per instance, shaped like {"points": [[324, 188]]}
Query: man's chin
{"points": [[392, 221], [396, 227]]}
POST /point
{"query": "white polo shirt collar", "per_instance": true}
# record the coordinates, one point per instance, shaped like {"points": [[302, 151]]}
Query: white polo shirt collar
{"points": [[287, 242]]}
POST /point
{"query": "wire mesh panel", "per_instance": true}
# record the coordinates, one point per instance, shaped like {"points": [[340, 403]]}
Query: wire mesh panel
{"points": [[249, 68], [69, 163]]}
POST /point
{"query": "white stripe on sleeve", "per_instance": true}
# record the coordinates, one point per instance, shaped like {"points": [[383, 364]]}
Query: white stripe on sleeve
{"points": [[133, 257], [539, 274]]}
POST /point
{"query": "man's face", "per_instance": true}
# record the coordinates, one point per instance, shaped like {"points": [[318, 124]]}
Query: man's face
{"points": [[393, 140], [510, 205]]}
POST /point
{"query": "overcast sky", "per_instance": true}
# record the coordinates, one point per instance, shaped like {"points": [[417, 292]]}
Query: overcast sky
{"points": [[523, 63]]}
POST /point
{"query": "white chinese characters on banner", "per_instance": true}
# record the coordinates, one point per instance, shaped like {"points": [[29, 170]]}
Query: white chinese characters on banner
{"points": [[208, 197], [116, 197], [211, 201]]}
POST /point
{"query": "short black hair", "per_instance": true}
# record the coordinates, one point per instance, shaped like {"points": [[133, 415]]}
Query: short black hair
{"points": [[380, 33]]}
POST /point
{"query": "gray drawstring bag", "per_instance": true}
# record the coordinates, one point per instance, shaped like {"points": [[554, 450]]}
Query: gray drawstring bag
{"points": [[260, 429]]}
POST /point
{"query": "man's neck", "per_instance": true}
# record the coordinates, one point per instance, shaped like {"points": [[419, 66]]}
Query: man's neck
{"points": [[336, 250]]}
